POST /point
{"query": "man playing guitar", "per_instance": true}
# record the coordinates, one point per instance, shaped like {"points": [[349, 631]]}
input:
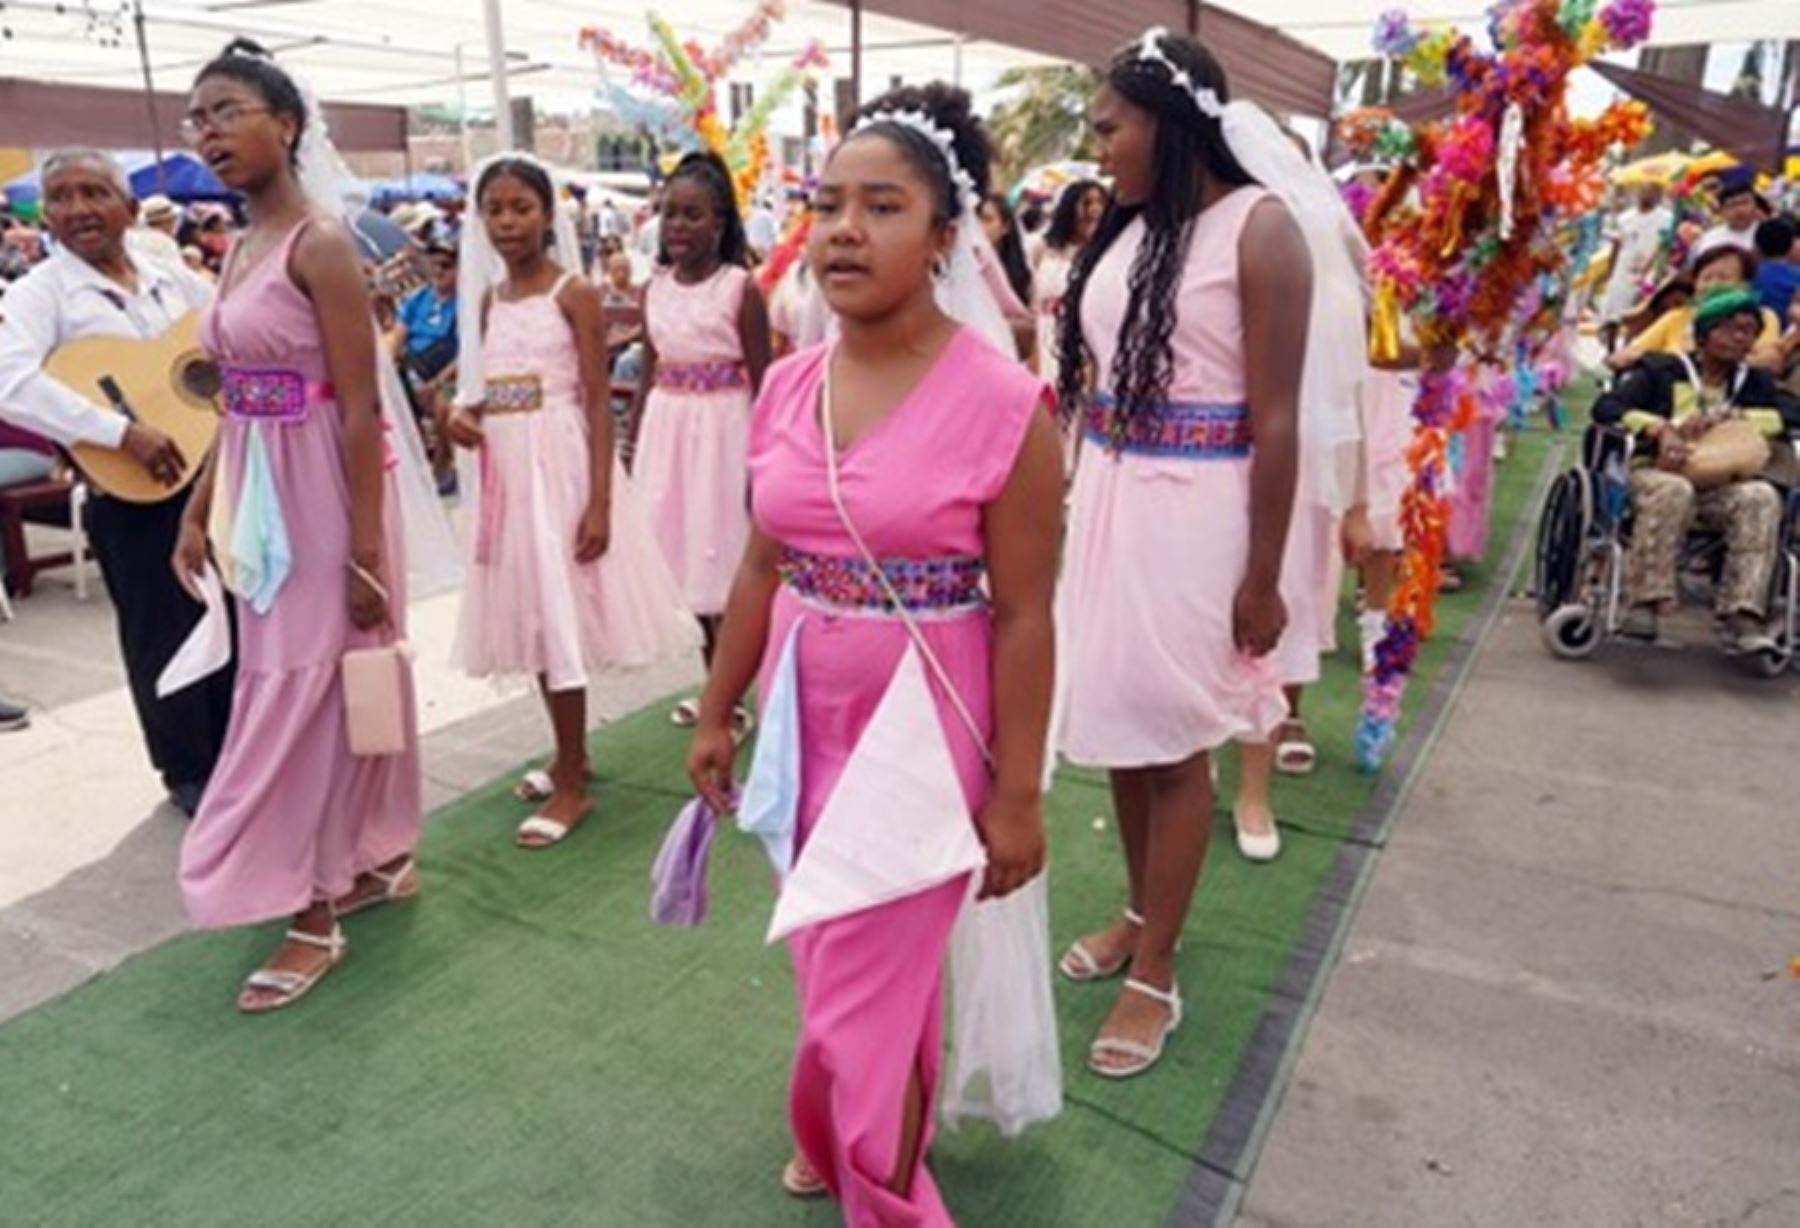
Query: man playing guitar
{"points": [[94, 287]]}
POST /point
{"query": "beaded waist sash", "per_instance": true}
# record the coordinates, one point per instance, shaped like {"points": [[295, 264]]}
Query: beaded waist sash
{"points": [[1186, 429], [513, 394], [701, 376], [949, 584], [269, 394]]}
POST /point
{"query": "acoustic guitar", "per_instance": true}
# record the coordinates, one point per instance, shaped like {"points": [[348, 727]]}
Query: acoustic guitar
{"points": [[168, 382]]}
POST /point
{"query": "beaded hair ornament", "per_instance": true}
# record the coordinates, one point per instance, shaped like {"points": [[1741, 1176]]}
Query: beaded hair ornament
{"points": [[1150, 51]]}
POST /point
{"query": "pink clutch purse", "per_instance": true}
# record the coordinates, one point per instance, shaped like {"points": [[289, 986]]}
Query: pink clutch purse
{"points": [[375, 698]]}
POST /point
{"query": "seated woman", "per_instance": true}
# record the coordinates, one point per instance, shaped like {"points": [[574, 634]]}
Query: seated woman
{"points": [[1673, 331], [1668, 403]]}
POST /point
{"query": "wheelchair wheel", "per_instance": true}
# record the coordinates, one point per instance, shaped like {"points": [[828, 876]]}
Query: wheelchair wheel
{"points": [[1572, 632], [1782, 615], [1562, 536]]}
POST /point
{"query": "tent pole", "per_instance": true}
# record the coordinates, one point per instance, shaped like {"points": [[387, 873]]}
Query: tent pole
{"points": [[137, 22], [496, 49], [856, 50], [462, 112]]}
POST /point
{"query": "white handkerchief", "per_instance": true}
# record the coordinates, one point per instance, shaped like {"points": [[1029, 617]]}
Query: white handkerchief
{"points": [[897, 822], [207, 649]]}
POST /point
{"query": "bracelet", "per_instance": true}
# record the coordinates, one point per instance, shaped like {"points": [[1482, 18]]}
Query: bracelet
{"points": [[370, 578]]}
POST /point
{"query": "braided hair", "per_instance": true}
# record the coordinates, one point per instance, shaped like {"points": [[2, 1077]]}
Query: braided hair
{"points": [[248, 61], [708, 170], [1187, 143], [950, 108]]}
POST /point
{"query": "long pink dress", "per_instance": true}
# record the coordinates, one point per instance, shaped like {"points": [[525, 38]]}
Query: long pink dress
{"points": [[1148, 671], [528, 607], [291, 816], [915, 484], [693, 447]]}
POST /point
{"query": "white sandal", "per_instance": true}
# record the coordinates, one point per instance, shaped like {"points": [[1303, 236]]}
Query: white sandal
{"points": [[1144, 1056], [1295, 755], [685, 714], [800, 1181], [1079, 965], [402, 884], [292, 986], [534, 786], [548, 831]]}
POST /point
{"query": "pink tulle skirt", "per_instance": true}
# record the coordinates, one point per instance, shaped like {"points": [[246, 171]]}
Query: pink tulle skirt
{"points": [[528, 607]]}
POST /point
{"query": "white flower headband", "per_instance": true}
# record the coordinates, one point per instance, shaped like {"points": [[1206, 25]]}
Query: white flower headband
{"points": [[1150, 49], [940, 137]]}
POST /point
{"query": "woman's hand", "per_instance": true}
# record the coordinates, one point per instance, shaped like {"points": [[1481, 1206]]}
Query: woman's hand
{"points": [[1013, 831], [1356, 535], [464, 428], [189, 560], [368, 598], [593, 534], [1672, 451], [1258, 617], [710, 757]]}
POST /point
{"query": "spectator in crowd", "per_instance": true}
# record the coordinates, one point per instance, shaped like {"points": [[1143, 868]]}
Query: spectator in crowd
{"points": [[1778, 275], [425, 343], [1739, 211], [1723, 265], [154, 235]]}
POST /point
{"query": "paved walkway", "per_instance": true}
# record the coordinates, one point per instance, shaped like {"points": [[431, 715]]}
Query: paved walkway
{"points": [[86, 837], [1566, 998]]}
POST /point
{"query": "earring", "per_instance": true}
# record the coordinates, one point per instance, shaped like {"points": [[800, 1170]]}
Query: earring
{"points": [[940, 268]]}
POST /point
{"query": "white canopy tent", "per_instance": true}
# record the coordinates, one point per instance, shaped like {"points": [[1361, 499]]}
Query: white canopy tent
{"points": [[422, 51]]}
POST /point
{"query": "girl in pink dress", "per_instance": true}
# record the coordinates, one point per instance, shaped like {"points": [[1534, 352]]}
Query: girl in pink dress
{"points": [[706, 348], [557, 583], [304, 524], [1188, 311], [887, 672]]}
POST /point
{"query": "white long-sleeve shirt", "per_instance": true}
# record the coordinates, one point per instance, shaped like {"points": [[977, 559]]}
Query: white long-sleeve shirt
{"points": [[63, 299]]}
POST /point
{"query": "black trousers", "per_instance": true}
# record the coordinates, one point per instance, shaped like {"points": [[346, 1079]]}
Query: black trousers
{"points": [[133, 543]]}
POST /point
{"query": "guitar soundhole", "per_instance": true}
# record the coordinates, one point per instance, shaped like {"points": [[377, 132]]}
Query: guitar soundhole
{"points": [[200, 379]]}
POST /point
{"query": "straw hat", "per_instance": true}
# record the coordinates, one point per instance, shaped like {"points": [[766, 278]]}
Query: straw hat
{"points": [[158, 211]]}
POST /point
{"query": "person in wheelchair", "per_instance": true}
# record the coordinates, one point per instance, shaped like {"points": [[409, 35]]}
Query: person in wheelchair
{"points": [[1669, 404]]}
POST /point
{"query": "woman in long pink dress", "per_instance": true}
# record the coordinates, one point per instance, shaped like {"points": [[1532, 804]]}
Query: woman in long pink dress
{"points": [[303, 518], [1189, 309], [947, 467], [706, 348]]}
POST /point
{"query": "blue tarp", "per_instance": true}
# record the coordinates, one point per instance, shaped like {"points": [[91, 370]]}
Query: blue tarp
{"points": [[422, 186], [188, 179]]}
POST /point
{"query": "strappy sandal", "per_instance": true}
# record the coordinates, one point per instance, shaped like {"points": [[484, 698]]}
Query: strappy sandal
{"points": [[1143, 1056], [292, 986], [399, 885], [1079, 965], [800, 1181], [534, 786], [743, 723], [1295, 755], [686, 714]]}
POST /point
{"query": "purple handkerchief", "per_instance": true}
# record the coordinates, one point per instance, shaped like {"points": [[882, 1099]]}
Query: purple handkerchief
{"points": [[678, 879]]}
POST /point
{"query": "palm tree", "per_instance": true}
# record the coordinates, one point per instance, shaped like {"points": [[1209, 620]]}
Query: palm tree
{"points": [[1046, 120]]}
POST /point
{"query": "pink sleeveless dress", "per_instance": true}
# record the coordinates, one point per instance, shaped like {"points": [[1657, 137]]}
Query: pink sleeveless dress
{"points": [[291, 816], [869, 981], [528, 607], [1148, 672], [693, 447]]}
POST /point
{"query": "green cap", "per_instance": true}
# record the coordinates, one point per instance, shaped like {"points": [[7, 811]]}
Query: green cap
{"points": [[1721, 304]]}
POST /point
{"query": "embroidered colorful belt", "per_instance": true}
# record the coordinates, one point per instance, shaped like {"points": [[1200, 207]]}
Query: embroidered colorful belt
{"points": [[268, 394], [1186, 429], [701, 376], [950, 584], [513, 394]]}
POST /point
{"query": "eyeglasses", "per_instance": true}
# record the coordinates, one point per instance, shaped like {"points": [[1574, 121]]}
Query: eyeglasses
{"points": [[222, 117]]}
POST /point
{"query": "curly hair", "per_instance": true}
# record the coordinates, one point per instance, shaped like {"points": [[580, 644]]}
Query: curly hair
{"points": [[250, 63], [708, 169], [1187, 143], [950, 108], [1067, 219]]}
